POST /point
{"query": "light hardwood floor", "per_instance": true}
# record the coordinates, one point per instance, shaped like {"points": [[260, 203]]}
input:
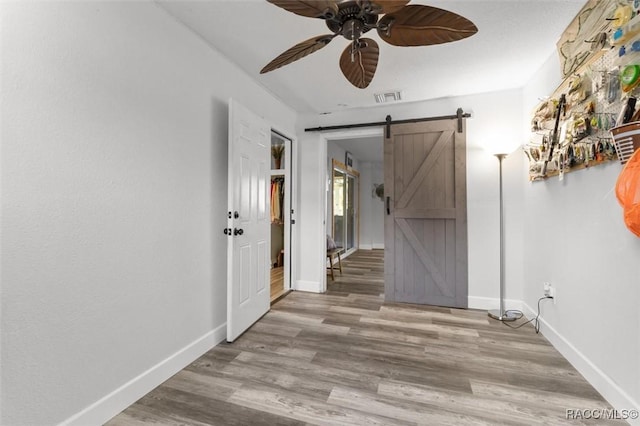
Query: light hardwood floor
{"points": [[277, 282], [347, 358]]}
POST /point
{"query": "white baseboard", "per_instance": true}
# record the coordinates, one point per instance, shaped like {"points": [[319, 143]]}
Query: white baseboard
{"points": [[112, 404], [616, 396], [310, 286], [374, 246], [486, 303]]}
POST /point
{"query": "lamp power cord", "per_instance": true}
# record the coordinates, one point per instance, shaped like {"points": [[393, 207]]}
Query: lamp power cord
{"points": [[536, 321]]}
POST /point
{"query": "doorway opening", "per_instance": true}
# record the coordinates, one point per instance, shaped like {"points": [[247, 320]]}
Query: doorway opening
{"points": [[423, 210], [354, 216], [281, 211]]}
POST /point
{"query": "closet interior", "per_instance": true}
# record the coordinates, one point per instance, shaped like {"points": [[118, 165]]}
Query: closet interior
{"points": [[280, 215]]}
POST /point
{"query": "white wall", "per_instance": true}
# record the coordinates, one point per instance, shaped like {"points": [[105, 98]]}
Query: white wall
{"points": [[311, 226], [337, 152], [114, 164], [576, 240], [497, 115]]}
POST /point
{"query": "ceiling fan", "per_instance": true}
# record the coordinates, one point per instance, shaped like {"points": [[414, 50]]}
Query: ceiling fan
{"points": [[401, 24]]}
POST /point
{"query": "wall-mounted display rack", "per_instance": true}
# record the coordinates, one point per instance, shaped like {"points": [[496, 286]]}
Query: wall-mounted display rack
{"points": [[571, 129]]}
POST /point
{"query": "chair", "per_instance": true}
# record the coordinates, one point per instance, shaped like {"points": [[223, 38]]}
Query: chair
{"points": [[330, 255], [332, 252]]}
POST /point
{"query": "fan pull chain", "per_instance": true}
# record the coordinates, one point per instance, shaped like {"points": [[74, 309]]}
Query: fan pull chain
{"points": [[353, 45], [353, 51]]}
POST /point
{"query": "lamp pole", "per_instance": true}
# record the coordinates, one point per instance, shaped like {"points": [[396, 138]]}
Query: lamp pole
{"points": [[502, 315]]}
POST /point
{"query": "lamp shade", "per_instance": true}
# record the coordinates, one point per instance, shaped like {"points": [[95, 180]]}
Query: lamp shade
{"points": [[501, 144]]}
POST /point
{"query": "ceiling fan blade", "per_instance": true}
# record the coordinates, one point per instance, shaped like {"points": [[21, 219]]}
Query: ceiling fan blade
{"points": [[361, 69], [298, 51], [326, 9], [384, 6], [417, 25]]}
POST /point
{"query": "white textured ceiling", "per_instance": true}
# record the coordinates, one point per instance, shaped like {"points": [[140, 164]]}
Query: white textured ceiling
{"points": [[514, 38]]}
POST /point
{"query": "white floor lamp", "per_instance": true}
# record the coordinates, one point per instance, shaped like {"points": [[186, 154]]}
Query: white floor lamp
{"points": [[501, 314]]}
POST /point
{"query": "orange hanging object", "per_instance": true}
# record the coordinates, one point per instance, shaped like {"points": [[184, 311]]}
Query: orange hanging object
{"points": [[628, 192]]}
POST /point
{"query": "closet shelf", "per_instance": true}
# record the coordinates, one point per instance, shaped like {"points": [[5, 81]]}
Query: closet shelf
{"points": [[278, 172]]}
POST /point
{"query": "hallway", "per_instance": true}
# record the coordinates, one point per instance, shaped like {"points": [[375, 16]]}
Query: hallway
{"points": [[345, 357], [362, 273]]}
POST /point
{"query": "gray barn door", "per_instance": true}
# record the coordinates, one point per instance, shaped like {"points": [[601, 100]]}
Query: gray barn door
{"points": [[426, 216]]}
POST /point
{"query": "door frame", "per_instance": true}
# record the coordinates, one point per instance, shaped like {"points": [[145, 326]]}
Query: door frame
{"points": [[365, 132], [290, 234]]}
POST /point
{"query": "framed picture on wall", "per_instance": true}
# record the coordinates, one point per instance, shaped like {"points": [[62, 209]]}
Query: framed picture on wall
{"points": [[348, 160]]}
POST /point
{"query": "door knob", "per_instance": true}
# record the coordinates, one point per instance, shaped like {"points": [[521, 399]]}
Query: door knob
{"points": [[227, 231], [237, 231]]}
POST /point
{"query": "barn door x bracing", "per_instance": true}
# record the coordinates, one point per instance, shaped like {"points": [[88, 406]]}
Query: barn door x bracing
{"points": [[249, 221], [426, 214]]}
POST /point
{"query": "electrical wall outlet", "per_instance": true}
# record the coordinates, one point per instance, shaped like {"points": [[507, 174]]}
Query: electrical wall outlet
{"points": [[549, 291]]}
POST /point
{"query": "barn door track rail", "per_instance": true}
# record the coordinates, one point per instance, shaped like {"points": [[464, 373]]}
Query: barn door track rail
{"points": [[460, 114]]}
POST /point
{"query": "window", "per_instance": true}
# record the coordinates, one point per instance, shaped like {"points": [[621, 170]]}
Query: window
{"points": [[344, 203]]}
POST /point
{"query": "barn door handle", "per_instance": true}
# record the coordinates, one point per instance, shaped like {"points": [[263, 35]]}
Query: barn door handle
{"points": [[237, 231], [388, 205]]}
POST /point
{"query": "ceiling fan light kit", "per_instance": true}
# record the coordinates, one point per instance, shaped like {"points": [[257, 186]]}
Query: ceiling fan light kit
{"points": [[401, 24]]}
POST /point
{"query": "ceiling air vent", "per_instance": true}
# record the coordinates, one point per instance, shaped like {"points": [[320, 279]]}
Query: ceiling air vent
{"points": [[382, 98]]}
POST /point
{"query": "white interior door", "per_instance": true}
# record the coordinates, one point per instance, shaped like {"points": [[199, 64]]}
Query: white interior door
{"points": [[249, 223]]}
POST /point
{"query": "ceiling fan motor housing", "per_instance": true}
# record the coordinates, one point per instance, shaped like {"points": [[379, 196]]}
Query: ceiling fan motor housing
{"points": [[352, 21]]}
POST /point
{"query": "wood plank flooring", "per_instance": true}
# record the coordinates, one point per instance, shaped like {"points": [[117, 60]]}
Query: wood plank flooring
{"points": [[277, 282], [347, 358]]}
